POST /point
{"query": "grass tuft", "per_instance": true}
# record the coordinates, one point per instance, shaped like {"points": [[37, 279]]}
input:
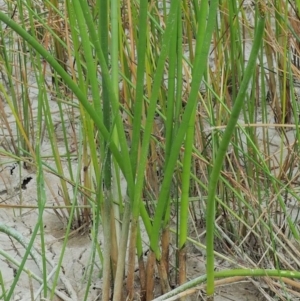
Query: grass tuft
{"points": [[155, 128]]}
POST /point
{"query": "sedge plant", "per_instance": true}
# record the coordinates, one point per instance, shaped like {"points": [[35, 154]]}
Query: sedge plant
{"points": [[120, 73]]}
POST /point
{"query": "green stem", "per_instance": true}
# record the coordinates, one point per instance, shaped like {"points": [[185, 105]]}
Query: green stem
{"points": [[227, 274], [186, 175], [214, 178], [198, 71]]}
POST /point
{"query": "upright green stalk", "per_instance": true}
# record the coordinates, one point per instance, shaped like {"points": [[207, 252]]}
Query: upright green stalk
{"points": [[119, 240], [198, 72], [136, 133], [139, 93], [184, 202], [125, 166], [103, 37], [211, 203], [152, 107]]}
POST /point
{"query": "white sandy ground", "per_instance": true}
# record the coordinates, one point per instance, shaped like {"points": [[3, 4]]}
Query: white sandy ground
{"points": [[23, 221]]}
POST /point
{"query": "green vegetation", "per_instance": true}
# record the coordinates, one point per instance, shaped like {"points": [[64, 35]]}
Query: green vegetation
{"points": [[155, 117]]}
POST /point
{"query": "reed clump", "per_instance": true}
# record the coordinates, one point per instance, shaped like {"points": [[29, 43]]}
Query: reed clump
{"points": [[167, 126]]}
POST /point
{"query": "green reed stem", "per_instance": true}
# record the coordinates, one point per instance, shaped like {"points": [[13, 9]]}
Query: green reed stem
{"points": [[139, 96], [214, 178], [123, 155], [198, 72], [186, 175], [230, 273], [152, 106]]}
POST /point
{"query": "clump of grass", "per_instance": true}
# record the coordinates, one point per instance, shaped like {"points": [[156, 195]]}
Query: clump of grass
{"points": [[113, 90]]}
